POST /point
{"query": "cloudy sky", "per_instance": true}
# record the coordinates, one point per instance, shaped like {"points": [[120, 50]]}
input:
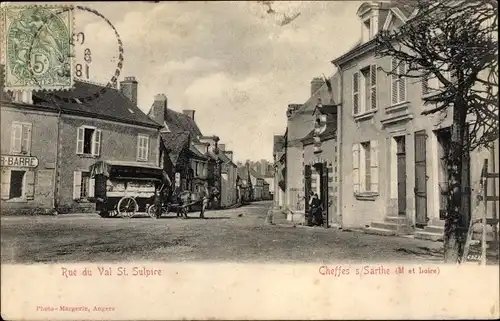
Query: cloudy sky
{"points": [[230, 61]]}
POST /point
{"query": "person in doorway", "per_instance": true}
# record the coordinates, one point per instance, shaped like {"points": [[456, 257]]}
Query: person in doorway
{"points": [[316, 210], [204, 195], [310, 212]]}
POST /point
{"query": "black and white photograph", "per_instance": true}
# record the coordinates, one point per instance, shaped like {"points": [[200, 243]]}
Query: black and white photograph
{"points": [[359, 138]]}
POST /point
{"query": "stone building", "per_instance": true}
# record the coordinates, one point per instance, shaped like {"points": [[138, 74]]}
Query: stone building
{"points": [[393, 176], [68, 131]]}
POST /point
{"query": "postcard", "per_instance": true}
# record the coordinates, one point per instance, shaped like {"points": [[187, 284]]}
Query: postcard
{"points": [[249, 160]]}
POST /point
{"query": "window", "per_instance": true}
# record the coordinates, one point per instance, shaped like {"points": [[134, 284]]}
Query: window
{"points": [[83, 185], [142, 147], [17, 185], [365, 90], [21, 138], [368, 29], [196, 169], [398, 82], [365, 167], [432, 85], [88, 141]]}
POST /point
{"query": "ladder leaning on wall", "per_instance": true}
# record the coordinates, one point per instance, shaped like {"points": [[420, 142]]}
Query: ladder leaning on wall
{"points": [[482, 208]]}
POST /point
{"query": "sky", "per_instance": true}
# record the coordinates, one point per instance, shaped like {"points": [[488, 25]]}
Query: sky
{"points": [[231, 62]]}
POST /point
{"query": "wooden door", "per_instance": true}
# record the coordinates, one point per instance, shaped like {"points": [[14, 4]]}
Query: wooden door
{"points": [[420, 178], [324, 193], [307, 186], [401, 176]]}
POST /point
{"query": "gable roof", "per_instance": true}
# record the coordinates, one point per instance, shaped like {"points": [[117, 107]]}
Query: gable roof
{"points": [[243, 172], [193, 151], [179, 122], [110, 104], [174, 143]]}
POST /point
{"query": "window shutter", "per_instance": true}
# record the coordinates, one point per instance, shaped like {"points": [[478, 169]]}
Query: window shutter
{"points": [[355, 168], [26, 138], [374, 165], [91, 187], [5, 184], [402, 82], [79, 140], [394, 82], [355, 92], [16, 138], [97, 142], [146, 148], [29, 185], [138, 147], [373, 85], [77, 184]]}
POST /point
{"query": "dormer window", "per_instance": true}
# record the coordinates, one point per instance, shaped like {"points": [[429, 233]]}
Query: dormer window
{"points": [[367, 29], [368, 13]]}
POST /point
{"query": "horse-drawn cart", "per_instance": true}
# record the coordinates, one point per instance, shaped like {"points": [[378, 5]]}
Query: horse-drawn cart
{"points": [[126, 189], [180, 204]]}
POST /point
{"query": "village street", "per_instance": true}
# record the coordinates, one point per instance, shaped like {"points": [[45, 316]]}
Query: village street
{"points": [[234, 235]]}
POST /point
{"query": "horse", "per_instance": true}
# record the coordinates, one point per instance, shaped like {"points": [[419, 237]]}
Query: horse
{"points": [[192, 198]]}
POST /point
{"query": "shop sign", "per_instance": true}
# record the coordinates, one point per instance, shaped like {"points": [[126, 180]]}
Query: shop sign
{"points": [[18, 161]]}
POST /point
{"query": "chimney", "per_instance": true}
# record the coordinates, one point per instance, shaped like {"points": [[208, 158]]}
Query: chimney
{"points": [[128, 88], [229, 153], [189, 113], [159, 109], [316, 84]]}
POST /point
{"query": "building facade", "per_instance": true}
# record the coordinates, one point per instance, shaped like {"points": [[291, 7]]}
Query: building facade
{"points": [[312, 152], [393, 176], [229, 173], [84, 125], [28, 163]]}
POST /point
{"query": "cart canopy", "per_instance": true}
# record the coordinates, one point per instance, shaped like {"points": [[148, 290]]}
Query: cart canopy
{"points": [[128, 170]]}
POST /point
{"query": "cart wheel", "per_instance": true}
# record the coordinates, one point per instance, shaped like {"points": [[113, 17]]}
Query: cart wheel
{"points": [[127, 207], [152, 211]]}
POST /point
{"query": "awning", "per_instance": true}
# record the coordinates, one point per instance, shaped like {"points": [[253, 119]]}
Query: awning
{"points": [[128, 170]]}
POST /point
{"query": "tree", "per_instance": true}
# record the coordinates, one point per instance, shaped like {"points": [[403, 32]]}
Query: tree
{"points": [[455, 42]]}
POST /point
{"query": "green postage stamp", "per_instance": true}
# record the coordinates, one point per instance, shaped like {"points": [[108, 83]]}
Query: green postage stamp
{"points": [[37, 46]]}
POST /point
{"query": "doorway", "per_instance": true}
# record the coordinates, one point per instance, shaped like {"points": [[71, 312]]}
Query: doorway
{"points": [[401, 174]]}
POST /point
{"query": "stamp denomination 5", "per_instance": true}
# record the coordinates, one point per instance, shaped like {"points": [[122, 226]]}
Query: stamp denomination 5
{"points": [[38, 52]]}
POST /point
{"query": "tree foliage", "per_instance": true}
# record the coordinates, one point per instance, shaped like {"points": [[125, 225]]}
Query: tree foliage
{"points": [[457, 38]]}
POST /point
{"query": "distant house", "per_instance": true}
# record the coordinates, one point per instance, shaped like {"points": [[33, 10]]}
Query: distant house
{"points": [[229, 177], [244, 185], [186, 163], [257, 184]]}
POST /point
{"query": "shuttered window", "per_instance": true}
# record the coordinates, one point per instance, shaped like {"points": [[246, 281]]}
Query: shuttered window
{"points": [[398, 82], [355, 168], [142, 147], [355, 93], [365, 167], [88, 141], [373, 86], [17, 184], [21, 138], [374, 166]]}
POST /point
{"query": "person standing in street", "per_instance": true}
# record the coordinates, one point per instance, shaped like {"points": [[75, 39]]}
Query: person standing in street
{"points": [[204, 195]]}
